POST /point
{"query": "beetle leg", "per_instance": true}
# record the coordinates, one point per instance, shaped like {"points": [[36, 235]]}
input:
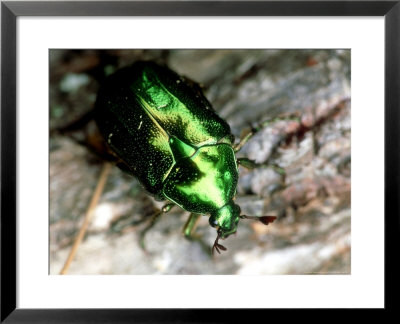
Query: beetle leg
{"points": [[255, 130], [188, 232], [244, 140], [218, 246], [251, 164], [165, 209], [247, 163], [190, 225]]}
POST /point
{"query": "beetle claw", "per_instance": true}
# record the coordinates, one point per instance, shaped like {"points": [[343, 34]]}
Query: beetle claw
{"points": [[218, 246], [223, 248]]}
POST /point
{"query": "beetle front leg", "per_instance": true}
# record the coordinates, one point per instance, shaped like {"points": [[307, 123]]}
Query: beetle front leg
{"points": [[165, 209], [188, 231], [190, 225]]}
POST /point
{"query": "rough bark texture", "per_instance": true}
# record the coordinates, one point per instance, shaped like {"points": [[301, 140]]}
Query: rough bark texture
{"points": [[246, 87]]}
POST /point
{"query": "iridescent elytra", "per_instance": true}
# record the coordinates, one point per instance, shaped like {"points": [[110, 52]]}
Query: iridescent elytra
{"points": [[165, 133]]}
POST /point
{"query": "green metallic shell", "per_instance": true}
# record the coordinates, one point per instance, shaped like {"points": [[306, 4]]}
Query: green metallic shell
{"points": [[205, 182], [157, 122]]}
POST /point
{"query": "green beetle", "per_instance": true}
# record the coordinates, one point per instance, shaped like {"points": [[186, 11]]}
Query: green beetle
{"points": [[164, 131]]}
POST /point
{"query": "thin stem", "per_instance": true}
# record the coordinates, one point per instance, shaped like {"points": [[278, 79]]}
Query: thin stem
{"points": [[88, 216]]}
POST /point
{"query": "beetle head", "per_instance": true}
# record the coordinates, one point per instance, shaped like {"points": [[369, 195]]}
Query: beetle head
{"points": [[226, 219]]}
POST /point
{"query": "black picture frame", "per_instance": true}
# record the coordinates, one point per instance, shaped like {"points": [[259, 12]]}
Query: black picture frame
{"points": [[9, 13]]}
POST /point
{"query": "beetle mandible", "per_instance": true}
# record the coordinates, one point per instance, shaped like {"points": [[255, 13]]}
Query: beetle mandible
{"points": [[164, 131]]}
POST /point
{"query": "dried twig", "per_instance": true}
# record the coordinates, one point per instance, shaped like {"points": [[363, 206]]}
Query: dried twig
{"points": [[89, 213]]}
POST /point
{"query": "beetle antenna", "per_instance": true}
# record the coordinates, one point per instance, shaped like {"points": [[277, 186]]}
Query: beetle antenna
{"points": [[218, 246], [263, 219]]}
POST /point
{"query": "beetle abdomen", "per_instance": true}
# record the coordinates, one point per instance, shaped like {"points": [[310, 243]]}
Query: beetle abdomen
{"points": [[131, 133]]}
